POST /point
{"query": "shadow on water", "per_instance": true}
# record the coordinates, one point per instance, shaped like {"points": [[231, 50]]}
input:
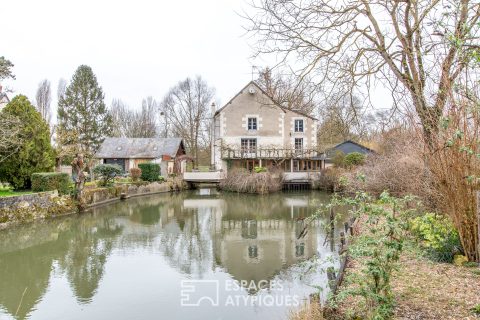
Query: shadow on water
{"points": [[196, 235]]}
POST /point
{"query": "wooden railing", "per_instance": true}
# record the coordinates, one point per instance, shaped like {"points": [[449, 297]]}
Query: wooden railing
{"points": [[268, 153]]}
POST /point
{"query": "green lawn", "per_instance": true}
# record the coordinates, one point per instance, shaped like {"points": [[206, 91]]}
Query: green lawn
{"points": [[14, 193]]}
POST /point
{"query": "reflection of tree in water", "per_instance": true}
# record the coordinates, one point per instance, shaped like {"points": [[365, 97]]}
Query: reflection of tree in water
{"points": [[20, 270], [90, 244], [189, 249]]}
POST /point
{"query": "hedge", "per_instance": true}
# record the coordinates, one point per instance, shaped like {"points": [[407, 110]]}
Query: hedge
{"points": [[150, 171], [48, 181]]}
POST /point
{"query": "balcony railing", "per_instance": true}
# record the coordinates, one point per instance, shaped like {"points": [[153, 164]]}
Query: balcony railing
{"points": [[268, 153]]}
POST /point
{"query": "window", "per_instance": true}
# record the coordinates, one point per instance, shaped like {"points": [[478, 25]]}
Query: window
{"points": [[249, 145], [298, 144], [252, 123], [299, 125]]}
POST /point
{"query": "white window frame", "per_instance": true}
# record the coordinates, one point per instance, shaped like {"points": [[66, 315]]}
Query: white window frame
{"points": [[254, 122], [295, 129]]}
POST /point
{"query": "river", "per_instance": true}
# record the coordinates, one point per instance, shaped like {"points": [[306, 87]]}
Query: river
{"points": [[192, 255]]}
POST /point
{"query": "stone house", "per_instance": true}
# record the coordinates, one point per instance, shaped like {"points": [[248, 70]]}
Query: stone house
{"points": [[130, 152], [253, 130]]}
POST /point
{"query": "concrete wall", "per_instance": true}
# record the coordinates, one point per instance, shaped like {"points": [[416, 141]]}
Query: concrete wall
{"points": [[203, 176]]}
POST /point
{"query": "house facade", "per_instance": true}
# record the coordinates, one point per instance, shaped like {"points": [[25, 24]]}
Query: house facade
{"points": [[130, 152], [252, 130]]}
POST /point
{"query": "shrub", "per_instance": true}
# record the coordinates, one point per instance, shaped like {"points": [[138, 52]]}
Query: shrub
{"points": [[260, 169], [47, 181], [5, 187], [329, 179], [161, 178], [107, 173], [354, 159], [241, 180], [439, 236], [135, 174], [338, 159], [150, 171]]}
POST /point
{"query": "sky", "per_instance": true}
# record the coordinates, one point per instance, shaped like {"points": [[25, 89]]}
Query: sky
{"points": [[136, 48]]}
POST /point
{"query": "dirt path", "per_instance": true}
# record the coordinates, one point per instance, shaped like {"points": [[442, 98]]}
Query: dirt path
{"points": [[427, 290]]}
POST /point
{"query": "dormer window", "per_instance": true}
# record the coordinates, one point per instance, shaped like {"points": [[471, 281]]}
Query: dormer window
{"points": [[155, 148], [119, 148], [252, 124], [299, 125]]}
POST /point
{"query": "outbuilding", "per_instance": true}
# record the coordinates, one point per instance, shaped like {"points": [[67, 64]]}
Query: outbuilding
{"points": [[130, 152]]}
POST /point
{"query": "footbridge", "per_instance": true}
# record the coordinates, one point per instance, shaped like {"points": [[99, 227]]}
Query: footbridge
{"points": [[213, 177]]}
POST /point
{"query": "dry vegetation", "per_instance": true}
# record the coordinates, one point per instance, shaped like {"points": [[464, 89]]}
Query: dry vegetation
{"points": [[399, 167], [241, 180]]}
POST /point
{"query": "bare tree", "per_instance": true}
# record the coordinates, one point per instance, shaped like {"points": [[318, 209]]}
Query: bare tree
{"points": [[61, 88], [134, 124], [287, 90], [44, 98], [418, 47], [187, 107]]}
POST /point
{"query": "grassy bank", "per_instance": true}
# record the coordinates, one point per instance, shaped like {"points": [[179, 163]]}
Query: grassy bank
{"points": [[14, 193], [402, 263]]}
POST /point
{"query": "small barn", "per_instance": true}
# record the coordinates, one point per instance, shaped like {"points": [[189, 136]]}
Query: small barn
{"points": [[130, 152], [347, 147]]}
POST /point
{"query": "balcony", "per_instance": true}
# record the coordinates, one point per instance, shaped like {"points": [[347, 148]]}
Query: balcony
{"points": [[269, 153]]}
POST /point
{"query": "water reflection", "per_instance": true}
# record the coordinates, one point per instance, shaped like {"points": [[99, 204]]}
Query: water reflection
{"points": [[191, 235]]}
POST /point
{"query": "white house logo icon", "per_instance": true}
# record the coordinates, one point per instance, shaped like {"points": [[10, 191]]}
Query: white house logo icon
{"points": [[196, 292]]}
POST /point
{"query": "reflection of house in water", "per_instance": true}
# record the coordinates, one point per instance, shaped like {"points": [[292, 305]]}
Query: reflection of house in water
{"points": [[253, 245]]}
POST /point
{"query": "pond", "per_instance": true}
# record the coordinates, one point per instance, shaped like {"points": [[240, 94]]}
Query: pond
{"points": [[191, 255]]}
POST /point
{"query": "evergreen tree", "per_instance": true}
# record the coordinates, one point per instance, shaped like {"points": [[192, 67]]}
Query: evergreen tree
{"points": [[35, 154], [83, 119]]}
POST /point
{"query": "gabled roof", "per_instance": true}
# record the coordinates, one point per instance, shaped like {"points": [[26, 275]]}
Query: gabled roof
{"points": [[353, 142], [273, 101], [138, 148], [330, 152]]}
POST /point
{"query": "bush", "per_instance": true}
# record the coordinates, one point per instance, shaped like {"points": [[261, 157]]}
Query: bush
{"points": [[150, 171], [241, 180], [439, 237], [354, 159], [260, 169], [161, 178], [48, 181], [338, 159], [5, 187], [135, 174], [107, 173], [329, 179]]}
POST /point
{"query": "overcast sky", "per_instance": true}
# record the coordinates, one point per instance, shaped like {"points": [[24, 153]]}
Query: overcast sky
{"points": [[136, 48]]}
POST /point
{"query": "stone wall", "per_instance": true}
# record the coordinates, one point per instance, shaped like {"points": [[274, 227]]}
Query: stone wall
{"points": [[30, 207], [96, 196]]}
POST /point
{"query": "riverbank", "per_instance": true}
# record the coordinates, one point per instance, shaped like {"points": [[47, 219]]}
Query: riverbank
{"points": [[421, 289], [37, 206]]}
